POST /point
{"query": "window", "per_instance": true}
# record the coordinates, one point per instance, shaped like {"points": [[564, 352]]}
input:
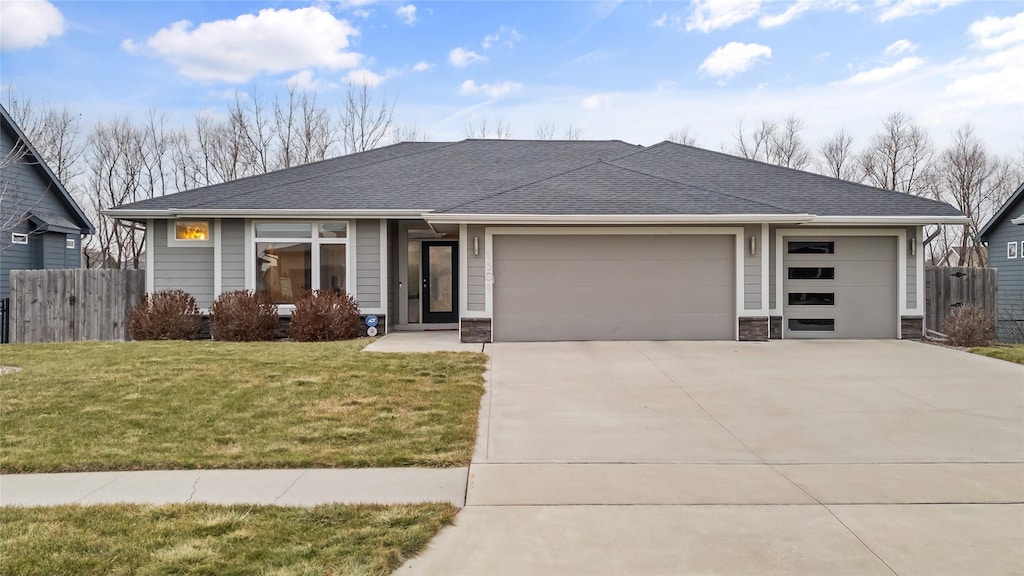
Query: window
{"points": [[1011, 250], [188, 233], [812, 273], [811, 247], [812, 324], [292, 257], [812, 299], [18, 238], [70, 243]]}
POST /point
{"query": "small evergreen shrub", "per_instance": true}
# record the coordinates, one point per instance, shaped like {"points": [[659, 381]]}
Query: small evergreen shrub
{"points": [[166, 315], [323, 315], [969, 326], [243, 316]]}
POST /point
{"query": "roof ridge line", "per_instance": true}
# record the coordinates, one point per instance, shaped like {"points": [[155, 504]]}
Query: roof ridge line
{"points": [[518, 186]]}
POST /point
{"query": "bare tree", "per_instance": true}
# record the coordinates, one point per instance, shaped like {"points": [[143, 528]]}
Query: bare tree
{"points": [[409, 133], [302, 129], [898, 156], [364, 122], [837, 156], [14, 206], [484, 130], [787, 147], [545, 131], [684, 135], [757, 144], [573, 132]]}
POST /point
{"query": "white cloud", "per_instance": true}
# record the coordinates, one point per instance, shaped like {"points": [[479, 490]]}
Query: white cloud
{"points": [[667, 20], [362, 13], [364, 77], [904, 8], [422, 66], [28, 24], [899, 47], [711, 15], [995, 32], [596, 101], [506, 35], [407, 14], [788, 15], [303, 81], [885, 72], [822, 57], [470, 87], [272, 41], [460, 57], [349, 4], [733, 58]]}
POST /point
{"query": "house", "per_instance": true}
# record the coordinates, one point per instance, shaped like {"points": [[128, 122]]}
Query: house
{"points": [[1004, 236], [41, 225], [558, 240]]}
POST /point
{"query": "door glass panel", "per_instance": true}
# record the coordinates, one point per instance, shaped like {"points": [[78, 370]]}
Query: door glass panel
{"points": [[413, 281], [332, 267], [440, 276], [812, 324], [333, 230], [283, 269]]}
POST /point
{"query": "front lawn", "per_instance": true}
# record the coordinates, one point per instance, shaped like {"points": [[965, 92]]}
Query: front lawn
{"points": [[1009, 352], [215, 540], [93, 406]]}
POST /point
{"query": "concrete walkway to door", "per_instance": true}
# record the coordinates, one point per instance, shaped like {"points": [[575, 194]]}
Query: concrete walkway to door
{"points": [[789, 457]]}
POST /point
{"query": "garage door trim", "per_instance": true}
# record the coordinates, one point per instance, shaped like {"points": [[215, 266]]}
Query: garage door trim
{"points": [[901, 264], [489, 233]]}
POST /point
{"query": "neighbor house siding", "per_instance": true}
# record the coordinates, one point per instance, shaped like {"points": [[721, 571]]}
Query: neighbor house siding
{"points": [[911, 270], [752, 268], [367, 261], [1010, 294], [54, 250], [475, 277], [233, 254], [188, 268]]}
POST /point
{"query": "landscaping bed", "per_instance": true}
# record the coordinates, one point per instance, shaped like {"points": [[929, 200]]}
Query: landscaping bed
{"points": [[215, 540], [95, 406]]}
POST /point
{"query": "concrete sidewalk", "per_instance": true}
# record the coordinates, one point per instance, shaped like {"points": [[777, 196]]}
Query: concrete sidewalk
{"points": [[278, 487]]}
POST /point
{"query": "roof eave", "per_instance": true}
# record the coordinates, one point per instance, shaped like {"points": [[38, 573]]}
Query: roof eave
{"points": [[886, 220], [983, 233], [175, 213], [616, 218]]}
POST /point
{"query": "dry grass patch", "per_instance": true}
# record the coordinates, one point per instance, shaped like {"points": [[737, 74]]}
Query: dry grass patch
{"points": [[1009, 352], [223, 540], [94, 406]]}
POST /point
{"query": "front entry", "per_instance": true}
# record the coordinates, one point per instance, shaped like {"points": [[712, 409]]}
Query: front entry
{"points": [[440, 288]]}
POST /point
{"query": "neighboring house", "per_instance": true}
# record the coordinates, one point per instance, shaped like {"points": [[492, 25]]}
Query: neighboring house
{"points": [[41, 226], [547, 240], [952, 258], [1004, 236]]}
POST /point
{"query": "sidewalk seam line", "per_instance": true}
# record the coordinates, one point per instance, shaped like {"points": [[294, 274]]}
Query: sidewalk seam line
{"points": [[290, 486], [112, 480]]}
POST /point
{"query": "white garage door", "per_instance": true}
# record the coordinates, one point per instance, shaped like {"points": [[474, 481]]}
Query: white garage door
{"points": [[614, 287], [840, 287]]}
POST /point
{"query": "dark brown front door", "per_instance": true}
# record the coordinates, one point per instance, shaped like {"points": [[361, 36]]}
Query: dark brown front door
{"points": [[440, 293]]}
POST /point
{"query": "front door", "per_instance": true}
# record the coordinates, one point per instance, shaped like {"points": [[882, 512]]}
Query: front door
{"points": [[440, 292]]}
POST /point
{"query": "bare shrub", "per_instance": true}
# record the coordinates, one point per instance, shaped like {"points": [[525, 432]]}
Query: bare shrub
{"points": [[969, 326], [243, 316], [323, 315], [166, 315]]}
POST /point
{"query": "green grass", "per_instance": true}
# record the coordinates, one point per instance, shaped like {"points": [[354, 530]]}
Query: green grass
{"points": [[94, 406], [1009, 352], [215, 540]]}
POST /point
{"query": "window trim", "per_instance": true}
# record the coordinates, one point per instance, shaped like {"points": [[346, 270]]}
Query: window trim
{"points": [[19, 238], [70, 244], [174, 241], [314, 241], [1011, 250]]}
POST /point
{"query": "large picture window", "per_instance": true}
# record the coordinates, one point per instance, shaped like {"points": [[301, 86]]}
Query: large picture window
{"points": [[292, 257]]}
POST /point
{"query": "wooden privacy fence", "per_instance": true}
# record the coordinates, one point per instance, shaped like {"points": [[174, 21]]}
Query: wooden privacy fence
{"points": [[76, 304], [946, 287]]}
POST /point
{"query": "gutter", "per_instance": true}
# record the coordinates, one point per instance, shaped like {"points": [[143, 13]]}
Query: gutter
{"points": [[616, 218], [173, 213]]}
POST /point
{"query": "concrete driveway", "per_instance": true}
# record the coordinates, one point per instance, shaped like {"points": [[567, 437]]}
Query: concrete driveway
{"points": [[790, 457]]}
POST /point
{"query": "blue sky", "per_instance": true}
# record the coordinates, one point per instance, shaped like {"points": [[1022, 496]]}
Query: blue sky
{"points": [[629, 70]]}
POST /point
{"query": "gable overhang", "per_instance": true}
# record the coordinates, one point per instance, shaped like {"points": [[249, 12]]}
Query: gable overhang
{"points": [[1003, 212]]}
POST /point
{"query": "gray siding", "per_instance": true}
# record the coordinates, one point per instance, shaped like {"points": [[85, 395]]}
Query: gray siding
{"points": [[1010, 295], [911, 271], [752, 268], [367, 260], [772, 289], [185, 268], [233, 254], [476, 287], [26, 189]]}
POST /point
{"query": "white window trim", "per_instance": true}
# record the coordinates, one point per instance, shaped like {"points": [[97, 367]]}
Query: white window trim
{"points": [[1011, 250], [901, 267], [315, 242], [70, 243], [738, 232], [19, 238], [172, 240]]}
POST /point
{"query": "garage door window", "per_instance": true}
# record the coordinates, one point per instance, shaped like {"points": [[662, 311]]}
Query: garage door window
{"points": [[812, 324], [803, 273], [812, 248], [812, 299]]}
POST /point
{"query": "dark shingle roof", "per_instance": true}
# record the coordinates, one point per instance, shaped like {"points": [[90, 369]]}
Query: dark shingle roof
{"points": [[549, 178]]}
